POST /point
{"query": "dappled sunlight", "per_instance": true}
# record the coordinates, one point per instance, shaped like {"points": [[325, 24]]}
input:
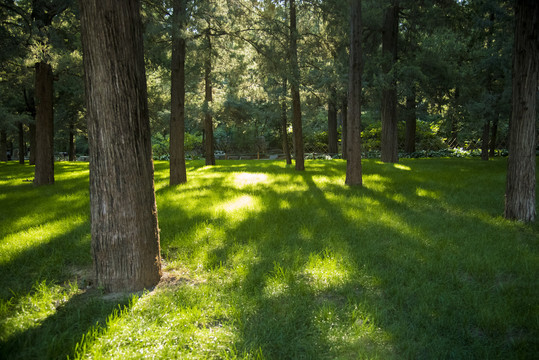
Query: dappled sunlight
{"points": [[421, 192], [33, 236], [326, 270], [239, 208], [402, 167], [244, 179]]}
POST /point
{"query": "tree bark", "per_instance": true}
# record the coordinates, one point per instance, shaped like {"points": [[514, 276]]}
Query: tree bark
{"points": [[485, 141], [178, 174], [390, 139], [72, 148], [208, 121], [44, 170], [521, 178], [344, 135], [297, 126], [494, 137], [125, 235], [411, 123], [284, 124], [22, 145], [333, 136], [32, 134], [3, 145], [353, 159]]}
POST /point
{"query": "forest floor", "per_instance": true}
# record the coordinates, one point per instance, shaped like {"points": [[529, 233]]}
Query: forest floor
{"points": [[264, 262]]}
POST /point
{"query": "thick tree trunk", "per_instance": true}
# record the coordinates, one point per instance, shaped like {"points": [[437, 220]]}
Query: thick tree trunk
{"points": [[390, 138], [333, 136], [411, 124], [178, 173], [485, 141], [3, 145], [44, 170], [22, 145], [284, 124], [208, 121], [521, 178], [125, 235], [344, 135], [71, 150], [297, 127], [353, 159]]}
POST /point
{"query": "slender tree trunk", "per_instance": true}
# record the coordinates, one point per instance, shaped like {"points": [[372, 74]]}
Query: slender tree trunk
{"points": [[521, 178], [353, 160], [297, 126], [485, 139], [178, 174], [390, 138], [3, 145], [32, 134], [284, 124], [494, 137], [125, 235], [344, 135], [71, 152], [44, 170], [411, 123], [208, 121], [333, 136], [22, 145]]}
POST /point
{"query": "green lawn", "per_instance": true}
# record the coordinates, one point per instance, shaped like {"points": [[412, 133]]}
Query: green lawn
{"points": [[262, 261]]}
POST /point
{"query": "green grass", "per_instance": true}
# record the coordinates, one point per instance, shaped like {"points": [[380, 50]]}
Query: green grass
{"points": [[265, 262]]}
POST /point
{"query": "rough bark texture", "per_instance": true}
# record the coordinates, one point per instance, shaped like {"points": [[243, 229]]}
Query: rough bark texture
{"points": [[3, 145], [125, 236], [521, 178], [208, 121], [390, 140], [333, 136], [284, 124], [297, 126], [44, 170], [32, 134], [411, 124], [178, 173], [353, 159]]}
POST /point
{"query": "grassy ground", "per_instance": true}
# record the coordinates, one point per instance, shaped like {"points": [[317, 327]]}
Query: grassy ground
{"points": [[264, 262]]}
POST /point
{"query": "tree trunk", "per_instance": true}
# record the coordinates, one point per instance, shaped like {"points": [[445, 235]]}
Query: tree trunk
{"points": [[494, 137], [3, 145], [521, 178], [297, 126], [284, 124], [71, 152], [390, 139], [485, 140], [22, 145], [353, 159], [411, 123], [344, 135], [333, 136], [32, 133], [44, 170], [125, 234], [178, 173], [208, 121]]}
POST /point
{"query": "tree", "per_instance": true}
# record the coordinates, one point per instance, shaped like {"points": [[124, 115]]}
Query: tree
{"points": [[353, 158], [177, 95], [125, 235], [390, 32], [44, 170], [209, 152], [297, 127], [521, 179]]}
